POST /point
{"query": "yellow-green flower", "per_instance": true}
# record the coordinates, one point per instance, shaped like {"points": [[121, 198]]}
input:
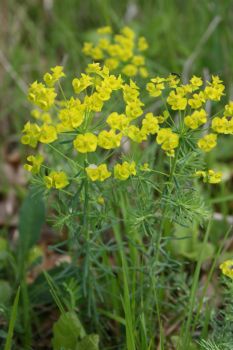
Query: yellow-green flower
{"points": [[196, 82], [177, 101], [34, 163], [72, 116], [84, 143], [56, 179], [196, 119], [130, 70], [150, 124], [123, 171], [109, 139], [209, 176], [214, 90], [117, 121], [42, 96], [208, 142], [142, 44], [51, 78], [100, 172], [31, 134], [82, 83], [228, 112], [168, 139], [220, 125], [227, 268], [104, 30], [48, 134], [135, 134]]}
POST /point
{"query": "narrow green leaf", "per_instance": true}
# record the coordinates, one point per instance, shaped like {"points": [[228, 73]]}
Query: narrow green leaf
{"points": [[12, 321]]}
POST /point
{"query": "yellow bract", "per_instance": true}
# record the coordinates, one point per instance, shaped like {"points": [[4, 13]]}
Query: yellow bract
{"points": [[229, 109], [56, 179], [196, 119], [31, 135], [209, 176], [99, 173], [168, 139], [150, 124], [222, 125], [197, 100], [123, 171], [51, 78], [82, 83], [177, 101], [117, 121], [208, 142], [227, 268], [109, 139], [42, 96], [84, 143], [48, 134], [72, 116], [214, 89], [35, 163], [155, 90], [135, 134], [196, 82]]}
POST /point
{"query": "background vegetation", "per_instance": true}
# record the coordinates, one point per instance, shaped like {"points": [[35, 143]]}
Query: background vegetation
{"points": [[185, 37]]}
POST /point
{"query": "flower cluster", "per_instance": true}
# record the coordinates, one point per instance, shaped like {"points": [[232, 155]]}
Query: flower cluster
{"points": [[188, 100], [121, 52], [105, 111]]}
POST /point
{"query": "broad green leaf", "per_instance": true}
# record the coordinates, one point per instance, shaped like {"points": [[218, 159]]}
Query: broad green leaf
{"points": [[188, 245], [5, 292], [31, 220], [67, 331], [3, 244], [89, 342], [4, 253]]}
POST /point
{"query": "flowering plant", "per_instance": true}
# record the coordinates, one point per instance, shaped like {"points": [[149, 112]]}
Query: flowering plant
{"points": [[104, 150]]}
